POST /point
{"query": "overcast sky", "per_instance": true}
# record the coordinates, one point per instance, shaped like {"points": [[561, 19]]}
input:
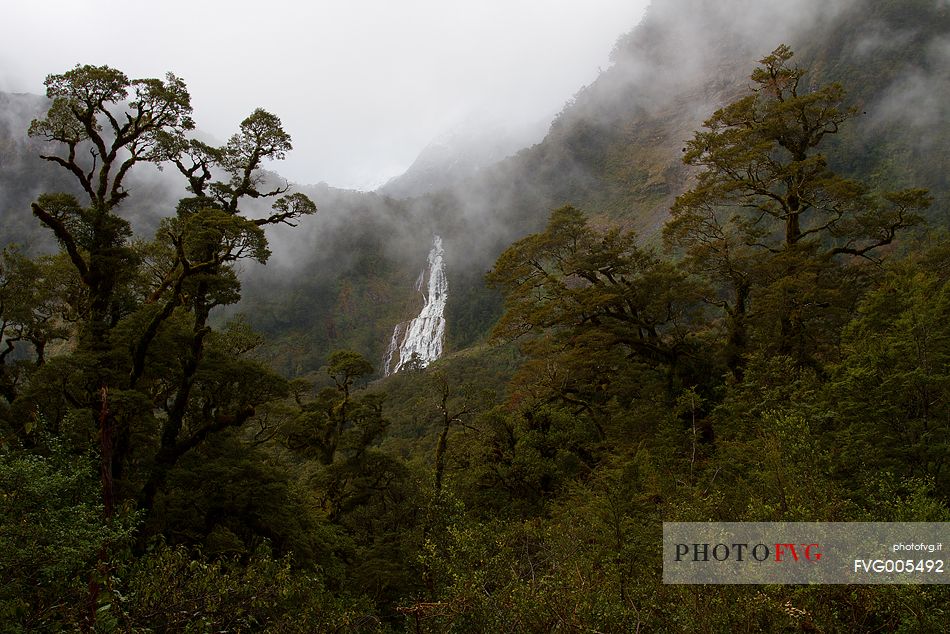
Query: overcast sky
{"points": [[361, 85]]}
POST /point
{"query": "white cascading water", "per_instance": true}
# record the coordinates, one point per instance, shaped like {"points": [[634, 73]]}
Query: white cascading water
{"points": [[424, 335]]}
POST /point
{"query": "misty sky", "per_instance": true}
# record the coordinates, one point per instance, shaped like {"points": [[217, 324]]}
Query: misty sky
{"points": [[361, 85]]}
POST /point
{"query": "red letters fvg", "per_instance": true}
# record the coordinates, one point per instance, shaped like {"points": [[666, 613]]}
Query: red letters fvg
{"points": [[808, 552]]}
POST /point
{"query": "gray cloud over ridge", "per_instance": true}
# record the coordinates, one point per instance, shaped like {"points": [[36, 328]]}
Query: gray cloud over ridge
{"points": [[361, 85]]}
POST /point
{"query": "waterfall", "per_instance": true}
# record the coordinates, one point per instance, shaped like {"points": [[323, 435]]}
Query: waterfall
{"points": [[424, 335]]}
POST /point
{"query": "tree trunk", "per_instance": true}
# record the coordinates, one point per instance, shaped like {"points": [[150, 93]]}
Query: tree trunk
{"points": [[440, 455]]}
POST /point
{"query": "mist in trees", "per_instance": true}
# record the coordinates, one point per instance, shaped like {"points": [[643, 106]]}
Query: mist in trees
{"points": [[780, 357]]}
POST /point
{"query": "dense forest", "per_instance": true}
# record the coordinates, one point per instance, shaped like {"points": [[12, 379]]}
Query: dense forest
{"points": [[751, 323]]}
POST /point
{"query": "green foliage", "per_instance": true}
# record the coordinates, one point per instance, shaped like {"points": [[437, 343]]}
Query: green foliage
{"points": [[51, 533], [622, 415], [138, 296], [521, 578], [228, 498], [169, 589], [334, 421], [412, 406], [768, 217], [345, 366], [369, 497], [34, 315], [591, 565], [893, 385], [513, 465], [84, 93], [147, 382], [607, 308], [492, 490]]}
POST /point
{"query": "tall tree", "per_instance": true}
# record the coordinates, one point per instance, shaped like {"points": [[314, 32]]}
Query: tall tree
{"points": [[336, 419], [105, 124], [456, 405], [604, 299], [767, 211], [146, 357]]}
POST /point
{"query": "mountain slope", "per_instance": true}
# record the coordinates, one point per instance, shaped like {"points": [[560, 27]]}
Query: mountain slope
{"points": [[461, 154], [345, 277], [615, 150]]}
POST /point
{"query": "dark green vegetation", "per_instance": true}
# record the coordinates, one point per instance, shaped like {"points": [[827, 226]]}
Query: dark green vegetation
{"points": [[782, 355]]}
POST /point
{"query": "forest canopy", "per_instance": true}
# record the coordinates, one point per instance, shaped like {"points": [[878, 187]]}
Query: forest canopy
{"points": [[782, 356]]}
